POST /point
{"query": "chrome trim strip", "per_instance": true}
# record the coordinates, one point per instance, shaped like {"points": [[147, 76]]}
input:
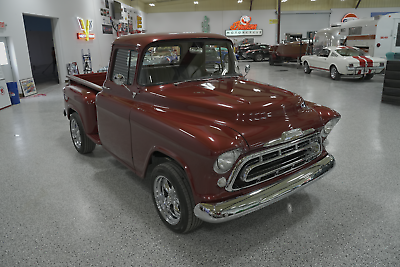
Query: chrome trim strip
{"points": [[283, 139], [242, 205]]}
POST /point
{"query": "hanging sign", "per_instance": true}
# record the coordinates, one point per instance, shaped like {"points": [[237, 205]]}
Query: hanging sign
{"points": [[349, 16], [243, 27], [86, 28]]}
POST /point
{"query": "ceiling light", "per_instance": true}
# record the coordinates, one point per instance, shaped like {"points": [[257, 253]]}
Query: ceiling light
{"points": [[313, 0], [283, 1], [151, 4], [196, 2], [240, 1]]}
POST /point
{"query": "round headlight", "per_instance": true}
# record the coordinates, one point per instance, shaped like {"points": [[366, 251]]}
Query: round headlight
{"points": [[226, 160], [329, 126]]}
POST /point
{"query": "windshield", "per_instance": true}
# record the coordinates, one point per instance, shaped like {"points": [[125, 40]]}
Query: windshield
{"points": [[350, 52], [186, 60]]}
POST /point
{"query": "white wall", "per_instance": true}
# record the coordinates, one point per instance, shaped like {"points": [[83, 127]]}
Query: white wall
{"points": [[219, 22], [222, 20], [65, 27]]}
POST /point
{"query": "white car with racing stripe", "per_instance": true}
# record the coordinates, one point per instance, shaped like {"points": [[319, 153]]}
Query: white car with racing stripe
{"points": [[344, 60]]}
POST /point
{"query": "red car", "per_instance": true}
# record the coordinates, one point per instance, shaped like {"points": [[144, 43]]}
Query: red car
{"points": [[215, 145]]}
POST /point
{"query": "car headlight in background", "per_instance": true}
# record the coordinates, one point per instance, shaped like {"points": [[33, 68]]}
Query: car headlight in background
{"points": [[226, 160], [329, 126]]}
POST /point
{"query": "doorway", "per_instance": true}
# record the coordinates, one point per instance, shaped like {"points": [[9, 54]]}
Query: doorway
{"points": [[5, 63], [39, 36]]}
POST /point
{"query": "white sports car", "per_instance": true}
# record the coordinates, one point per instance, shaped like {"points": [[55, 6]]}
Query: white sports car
{"points": [[344, 60]]}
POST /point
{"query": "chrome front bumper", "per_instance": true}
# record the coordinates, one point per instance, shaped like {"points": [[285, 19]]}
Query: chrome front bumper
{"points": [[242, 205]]}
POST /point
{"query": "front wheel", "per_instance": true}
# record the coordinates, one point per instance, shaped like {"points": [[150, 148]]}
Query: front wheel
{"points": [[172, 198], [81, 142], [271, 60], [307, 69], [335, 75]]}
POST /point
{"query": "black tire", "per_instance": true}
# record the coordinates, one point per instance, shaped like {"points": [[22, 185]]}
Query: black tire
{"points": [[306, 67], [335, 75], [271, 60], [81, 142], [258, 57], [169, 184], [368, 76], [226, 58]]}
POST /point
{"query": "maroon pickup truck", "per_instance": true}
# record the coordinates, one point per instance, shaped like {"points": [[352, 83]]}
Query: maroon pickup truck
{"points": [[215, 145]]}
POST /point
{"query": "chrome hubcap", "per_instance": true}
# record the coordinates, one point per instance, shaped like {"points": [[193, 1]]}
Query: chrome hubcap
{"points": [[167, 200], [333, 73], [75, 133]]}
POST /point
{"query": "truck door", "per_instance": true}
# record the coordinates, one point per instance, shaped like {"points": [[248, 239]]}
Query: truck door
{"points": [[114, 105]]}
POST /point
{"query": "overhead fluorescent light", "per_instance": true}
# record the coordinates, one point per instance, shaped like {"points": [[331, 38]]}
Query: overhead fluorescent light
{"points": [[196, 2], [240, 1], [283, 1], [151, 4]]}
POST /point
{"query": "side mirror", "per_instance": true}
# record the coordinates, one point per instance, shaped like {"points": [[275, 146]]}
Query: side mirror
{"points": [[246, 69], [119, 79]]}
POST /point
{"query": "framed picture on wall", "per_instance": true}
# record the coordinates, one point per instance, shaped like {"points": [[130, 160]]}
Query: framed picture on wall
{"points": [[28, 86]]}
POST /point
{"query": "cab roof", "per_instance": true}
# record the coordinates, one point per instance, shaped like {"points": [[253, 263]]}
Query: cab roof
{"points": [[143, 39]]}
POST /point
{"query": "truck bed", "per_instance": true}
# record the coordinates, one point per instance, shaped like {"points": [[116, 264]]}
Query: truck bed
{"points": [[92, 80]]}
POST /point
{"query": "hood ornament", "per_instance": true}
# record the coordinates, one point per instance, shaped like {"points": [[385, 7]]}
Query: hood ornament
{"points": [[289, 136]]}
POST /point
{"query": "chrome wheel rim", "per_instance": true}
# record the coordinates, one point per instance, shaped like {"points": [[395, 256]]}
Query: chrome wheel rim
{"points": [[75, 133], [167, 200], [305, 67], [333, 73]]}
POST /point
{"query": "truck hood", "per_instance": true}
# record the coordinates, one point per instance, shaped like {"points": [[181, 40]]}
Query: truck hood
{"points": [[259, 112]]}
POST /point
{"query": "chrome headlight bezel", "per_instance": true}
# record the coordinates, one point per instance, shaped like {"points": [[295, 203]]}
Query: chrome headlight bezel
{"points": [[326, 130], [226, 160]]}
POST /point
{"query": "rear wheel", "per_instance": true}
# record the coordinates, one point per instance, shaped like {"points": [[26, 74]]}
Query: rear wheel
{"points": [[306, 68], [368, 76], [335, 75], [81, 142], [172, 198], [258, 57]]}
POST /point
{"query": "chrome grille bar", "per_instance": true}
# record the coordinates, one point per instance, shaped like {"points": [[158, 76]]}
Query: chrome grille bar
{"points": [[273, 162]]}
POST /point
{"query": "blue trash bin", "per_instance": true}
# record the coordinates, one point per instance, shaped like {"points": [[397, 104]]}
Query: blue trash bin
{"points": [[13, 91]]}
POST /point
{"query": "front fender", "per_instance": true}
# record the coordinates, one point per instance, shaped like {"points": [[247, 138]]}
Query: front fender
{"points": [[193, 142]]}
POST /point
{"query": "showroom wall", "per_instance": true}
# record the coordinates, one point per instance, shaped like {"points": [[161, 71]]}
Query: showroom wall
{"points": [[219, 21], [65, 28]]}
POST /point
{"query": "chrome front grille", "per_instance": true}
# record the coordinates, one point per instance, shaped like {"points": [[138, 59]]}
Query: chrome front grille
{"points": [[270, 163]]}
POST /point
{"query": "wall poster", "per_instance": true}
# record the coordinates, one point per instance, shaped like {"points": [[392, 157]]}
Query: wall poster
{"points": [[28, 86]]}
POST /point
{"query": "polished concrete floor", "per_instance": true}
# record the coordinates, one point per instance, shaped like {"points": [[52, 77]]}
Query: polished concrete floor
{"points": [[60, 208]]}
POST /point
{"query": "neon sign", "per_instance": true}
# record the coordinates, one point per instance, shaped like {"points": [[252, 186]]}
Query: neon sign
{"points": [[243, 24], [243, 27], [86, 28], [349, 16]]}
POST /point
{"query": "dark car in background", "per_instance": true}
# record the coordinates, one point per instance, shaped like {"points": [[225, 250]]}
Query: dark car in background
{"points": [[258, 53], [243, 49]]}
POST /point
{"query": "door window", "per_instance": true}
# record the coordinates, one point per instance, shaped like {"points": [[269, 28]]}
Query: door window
{"points": [[125, 65]]}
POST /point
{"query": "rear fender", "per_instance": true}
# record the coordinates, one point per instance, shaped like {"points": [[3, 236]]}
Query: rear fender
{"points": [[83, 101]]}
